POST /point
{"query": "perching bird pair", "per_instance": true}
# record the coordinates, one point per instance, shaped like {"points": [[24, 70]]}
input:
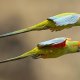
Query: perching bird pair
{"points": [[55, 47]]}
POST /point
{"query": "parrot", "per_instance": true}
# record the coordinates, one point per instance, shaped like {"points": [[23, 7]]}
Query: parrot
{"points": [[54, 23], [50, 49]]}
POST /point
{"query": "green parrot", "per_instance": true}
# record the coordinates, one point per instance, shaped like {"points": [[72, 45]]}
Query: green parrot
{"points": [[50, 49], [54, 23]]}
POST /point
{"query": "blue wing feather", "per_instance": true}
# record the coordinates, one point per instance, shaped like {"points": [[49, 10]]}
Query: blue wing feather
{"points": [[51, 42], [65, 19]]}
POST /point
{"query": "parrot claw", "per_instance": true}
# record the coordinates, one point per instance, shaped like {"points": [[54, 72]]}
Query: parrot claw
{"points": [[39, 56], [36, 56]]}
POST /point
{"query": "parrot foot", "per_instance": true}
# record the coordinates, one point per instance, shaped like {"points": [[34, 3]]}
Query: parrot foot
{"points": [[36, 56]]}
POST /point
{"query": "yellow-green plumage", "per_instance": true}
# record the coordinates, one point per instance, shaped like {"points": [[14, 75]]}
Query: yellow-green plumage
{"points": [[49, 52], [54, 23]]}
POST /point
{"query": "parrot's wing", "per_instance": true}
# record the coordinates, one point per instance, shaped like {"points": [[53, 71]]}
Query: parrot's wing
{"points": [[65, 19], [57, 42]]}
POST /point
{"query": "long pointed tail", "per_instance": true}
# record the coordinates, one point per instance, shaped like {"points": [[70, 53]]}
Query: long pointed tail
{"points": [[24, 55], [11, 59], [40, 26], [16, 32]]}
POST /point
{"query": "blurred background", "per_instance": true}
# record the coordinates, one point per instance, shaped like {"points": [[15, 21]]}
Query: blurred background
{"points": [[18, 14]]}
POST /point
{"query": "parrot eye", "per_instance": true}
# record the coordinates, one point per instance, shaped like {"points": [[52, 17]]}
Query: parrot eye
{"points": [[78, 49]]}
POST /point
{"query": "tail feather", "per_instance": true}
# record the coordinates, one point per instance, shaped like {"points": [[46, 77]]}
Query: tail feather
{"points": [[11, 59], [24, 55], [15, 32], [40, 26]]}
